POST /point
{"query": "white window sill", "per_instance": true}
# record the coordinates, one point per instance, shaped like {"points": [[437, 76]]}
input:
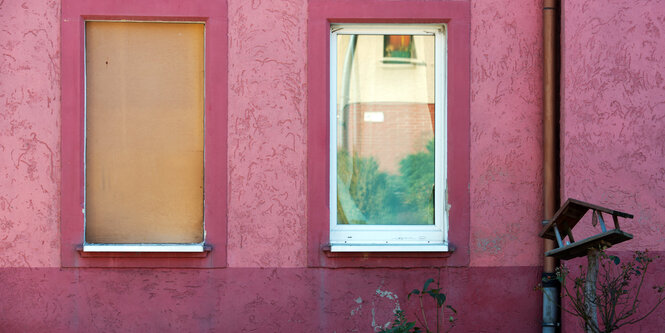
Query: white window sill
{"points": [[389, 248], [144, 248]]}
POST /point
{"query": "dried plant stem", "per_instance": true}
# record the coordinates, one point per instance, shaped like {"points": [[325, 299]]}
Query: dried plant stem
{"points": [[422, 309]]}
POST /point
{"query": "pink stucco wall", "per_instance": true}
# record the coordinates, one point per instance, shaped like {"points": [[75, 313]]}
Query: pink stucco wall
{"points": [[267, 145], [267, 285], [267, 126], [506, 116], [613, 112], [613, 123], [613, 84], [29, 133], [252, 300]]}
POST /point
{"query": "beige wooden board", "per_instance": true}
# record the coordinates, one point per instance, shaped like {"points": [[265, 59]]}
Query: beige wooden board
{"points": [[144, 132]]}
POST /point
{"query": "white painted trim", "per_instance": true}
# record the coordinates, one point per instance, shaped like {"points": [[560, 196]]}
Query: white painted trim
{"points": [[385, 29], [143, 248], [388, 248], [140, 247], [332, 111], [85, 128], [145, 21], [441, 133]]}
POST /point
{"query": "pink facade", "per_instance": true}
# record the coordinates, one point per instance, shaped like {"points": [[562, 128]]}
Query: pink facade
{"points": [[612, 153], [613, 134]]}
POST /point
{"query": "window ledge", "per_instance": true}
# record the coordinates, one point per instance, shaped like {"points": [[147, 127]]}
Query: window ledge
{"points": [[144, 250], [389, 248]]}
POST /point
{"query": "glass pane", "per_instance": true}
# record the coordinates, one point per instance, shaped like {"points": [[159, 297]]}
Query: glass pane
{"points": [[385, 129]]}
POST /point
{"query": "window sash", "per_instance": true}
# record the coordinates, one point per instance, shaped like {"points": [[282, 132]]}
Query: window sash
{"points": [[367, 238]]}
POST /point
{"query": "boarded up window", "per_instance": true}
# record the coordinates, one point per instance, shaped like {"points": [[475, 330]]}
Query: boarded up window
{"points": [[144, 132]]}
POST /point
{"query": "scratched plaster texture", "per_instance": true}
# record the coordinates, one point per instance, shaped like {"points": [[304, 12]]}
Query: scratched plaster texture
{"points": [[506, 132], [29, 133], [613, 116], [267, 133]]}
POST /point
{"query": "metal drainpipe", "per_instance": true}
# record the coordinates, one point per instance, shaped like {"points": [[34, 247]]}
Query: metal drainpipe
{"points": [[551, 288]]}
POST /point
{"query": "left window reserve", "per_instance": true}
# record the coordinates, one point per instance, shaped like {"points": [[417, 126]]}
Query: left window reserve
{"points": [[144, 133]]}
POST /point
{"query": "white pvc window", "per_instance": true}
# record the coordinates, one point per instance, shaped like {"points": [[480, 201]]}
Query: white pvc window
{"points": [[388, 138]]}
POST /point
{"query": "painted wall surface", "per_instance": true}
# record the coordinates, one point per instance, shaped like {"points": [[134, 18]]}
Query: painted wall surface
{"points": [[613, 128], [267, 147], [506, 133], [267, 286], [29, 133], [613, 122], [613, 119], [252, 300], [267, 126]]}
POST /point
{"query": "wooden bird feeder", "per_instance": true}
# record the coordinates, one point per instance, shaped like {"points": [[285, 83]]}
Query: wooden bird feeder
{"points": [[566, 218]]}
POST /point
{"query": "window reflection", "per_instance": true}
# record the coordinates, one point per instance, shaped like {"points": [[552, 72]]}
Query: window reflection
{"points": [[385, 129]]}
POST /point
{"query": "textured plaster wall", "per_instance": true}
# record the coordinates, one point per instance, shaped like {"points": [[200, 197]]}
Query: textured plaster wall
{"points": [[613, 116], [267, 127], [29, 133], [267, 143], [267, 287], [506, 132], [256, 300], [613, 154], [613, 125]]}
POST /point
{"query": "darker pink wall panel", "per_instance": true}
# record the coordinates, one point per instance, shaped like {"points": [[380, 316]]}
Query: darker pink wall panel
{"points": [[506, 132], [29, 133], [613, 116], [251, 299], [267, 141], [652, 324]]}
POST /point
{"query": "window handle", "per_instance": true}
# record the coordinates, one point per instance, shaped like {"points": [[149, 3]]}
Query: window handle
{"points": [[433, 206]]}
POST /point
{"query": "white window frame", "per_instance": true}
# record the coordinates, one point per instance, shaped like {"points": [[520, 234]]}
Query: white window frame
{"points": [[132, 247], [394, 238]]}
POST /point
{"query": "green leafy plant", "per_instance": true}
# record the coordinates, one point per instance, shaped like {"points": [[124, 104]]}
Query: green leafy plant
{"points": [[417, 174], [367, 195], [402, 325], [370, 189], [609, 290]]}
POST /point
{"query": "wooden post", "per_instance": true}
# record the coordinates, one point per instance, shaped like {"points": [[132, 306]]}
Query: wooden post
{"points": [[590, 305]]}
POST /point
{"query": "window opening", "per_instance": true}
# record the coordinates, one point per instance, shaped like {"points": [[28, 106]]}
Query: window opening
{"points": [[388, 141], [144, 134]]}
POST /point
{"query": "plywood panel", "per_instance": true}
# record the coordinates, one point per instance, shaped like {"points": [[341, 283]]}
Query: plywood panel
{"points": [[144, 132]]}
